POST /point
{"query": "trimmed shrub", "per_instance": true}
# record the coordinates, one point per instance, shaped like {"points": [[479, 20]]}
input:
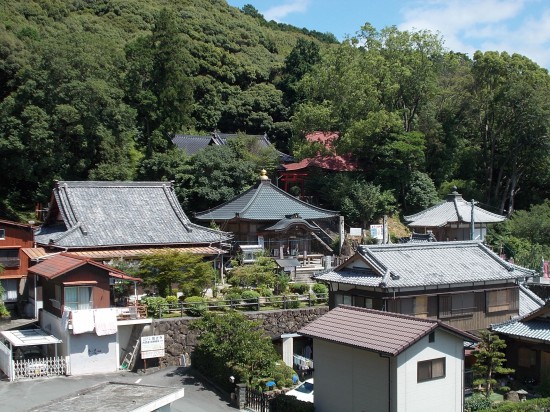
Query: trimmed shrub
{"points": [[292, 302], [477, 402], [172, 300], [289, 403], [321, 292], [195, 305], [250, 296], [299, 288]]}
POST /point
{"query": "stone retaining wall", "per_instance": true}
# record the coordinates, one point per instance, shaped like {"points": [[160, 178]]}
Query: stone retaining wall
{"points": [[180, 341]]}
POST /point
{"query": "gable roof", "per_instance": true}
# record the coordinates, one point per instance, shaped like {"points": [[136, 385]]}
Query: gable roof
{"points": [[109, 214], [423, 264], [339, 163], [535, 325], [264, 202], [381, 332], [528, 301], [62, 263], [453, 210]]}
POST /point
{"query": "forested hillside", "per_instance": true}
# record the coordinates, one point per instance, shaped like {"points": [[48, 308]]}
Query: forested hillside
{"points": [[96, 90], [88, 88]]}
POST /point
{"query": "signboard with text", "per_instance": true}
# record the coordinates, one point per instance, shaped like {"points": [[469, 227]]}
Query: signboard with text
{"points": [[152, 346]]}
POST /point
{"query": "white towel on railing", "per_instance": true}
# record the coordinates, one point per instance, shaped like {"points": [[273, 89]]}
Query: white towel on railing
{"points": [[83, 321], [105, 322], [65, 319]]}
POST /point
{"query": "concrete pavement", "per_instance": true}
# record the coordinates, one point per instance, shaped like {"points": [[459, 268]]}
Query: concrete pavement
{"points": [[199, 397]]}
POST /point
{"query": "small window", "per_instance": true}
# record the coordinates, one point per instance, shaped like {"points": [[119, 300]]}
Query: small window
{"points": [[341, 299], [2, 234], [9, 258], [431, 337], [78, 298], [431, 369]]}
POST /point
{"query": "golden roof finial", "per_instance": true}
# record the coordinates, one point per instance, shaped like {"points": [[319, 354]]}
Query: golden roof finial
{"points": [[263, 175]]}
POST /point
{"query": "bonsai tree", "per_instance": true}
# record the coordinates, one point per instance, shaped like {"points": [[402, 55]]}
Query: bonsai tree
{"points": [[489, 361]]}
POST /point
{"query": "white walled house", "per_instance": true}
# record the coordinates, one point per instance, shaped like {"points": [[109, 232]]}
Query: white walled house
{"points": [[96, 337], [368, 360]]}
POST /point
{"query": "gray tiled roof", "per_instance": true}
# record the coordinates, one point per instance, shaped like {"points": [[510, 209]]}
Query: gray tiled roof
{"points": [[265, 202], [191, 143], [528, 301], [106, 214], [382, 332], [533, 326], [424, 264], [454, 209]]}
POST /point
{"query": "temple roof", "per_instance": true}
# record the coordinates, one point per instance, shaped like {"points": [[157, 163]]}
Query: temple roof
{"points": [[115, 214], [407, 265], [453, 210], [264, 202]]}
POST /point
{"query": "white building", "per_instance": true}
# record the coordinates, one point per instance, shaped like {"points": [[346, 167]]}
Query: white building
{"points": [[367, 360]]}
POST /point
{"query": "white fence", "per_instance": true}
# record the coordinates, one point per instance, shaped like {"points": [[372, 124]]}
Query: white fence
{"points": [[5, 361], [33, 368]]}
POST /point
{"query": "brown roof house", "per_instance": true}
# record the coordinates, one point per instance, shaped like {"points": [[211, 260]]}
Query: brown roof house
{"points": [[14, 239], [78, 311], [371, 360], [453, 219], [462, 283], [528, 344]]}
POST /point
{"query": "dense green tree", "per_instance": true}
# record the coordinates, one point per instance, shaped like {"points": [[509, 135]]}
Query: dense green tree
{"points": [[421, 193], [232, 345], [158, 82], [189, 271], [512, 108], [260, 273]]}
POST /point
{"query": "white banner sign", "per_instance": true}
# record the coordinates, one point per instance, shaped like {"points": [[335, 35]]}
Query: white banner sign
{"points": [[152, 343]]}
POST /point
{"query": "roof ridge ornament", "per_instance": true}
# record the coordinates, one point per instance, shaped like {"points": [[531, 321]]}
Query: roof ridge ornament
{"points": [[263, 176]]}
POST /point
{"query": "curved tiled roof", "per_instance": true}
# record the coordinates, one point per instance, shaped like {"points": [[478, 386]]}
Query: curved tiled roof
{"points": [[454, 209], [263, 202], [424, 264], [382, 332], [535, 325], [107, 214]]}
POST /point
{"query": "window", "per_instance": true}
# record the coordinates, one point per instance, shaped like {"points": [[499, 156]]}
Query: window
{"points": [[79, 297], [431, 369], [9, 258], [2, 234], [10, 290], [431, 337], [501, 300], [459, 304], [341, 299]]}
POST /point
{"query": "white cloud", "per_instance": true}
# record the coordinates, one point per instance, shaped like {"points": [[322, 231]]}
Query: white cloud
{"points": [[514, 26], [278, 13]]}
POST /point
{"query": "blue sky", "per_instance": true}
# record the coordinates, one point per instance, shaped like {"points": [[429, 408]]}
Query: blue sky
{"points": [[514, 26]]}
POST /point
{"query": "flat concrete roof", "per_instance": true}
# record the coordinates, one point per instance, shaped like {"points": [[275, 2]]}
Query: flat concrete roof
{"points": [[29, 337], [115, 396]]}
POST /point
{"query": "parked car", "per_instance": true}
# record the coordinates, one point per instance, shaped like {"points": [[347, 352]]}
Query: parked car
{"points": [[303, 392]]}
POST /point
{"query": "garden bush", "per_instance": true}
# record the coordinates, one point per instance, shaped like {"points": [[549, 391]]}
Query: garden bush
{"points": [[172, 300], [291, 301], [477, 402], [153, 303], [251, 296], [287, 403], [299, 288], [195, 305], [321, 292]]}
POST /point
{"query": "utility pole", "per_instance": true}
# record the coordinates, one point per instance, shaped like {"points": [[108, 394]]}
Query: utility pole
{"points": [[472, 222]]}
